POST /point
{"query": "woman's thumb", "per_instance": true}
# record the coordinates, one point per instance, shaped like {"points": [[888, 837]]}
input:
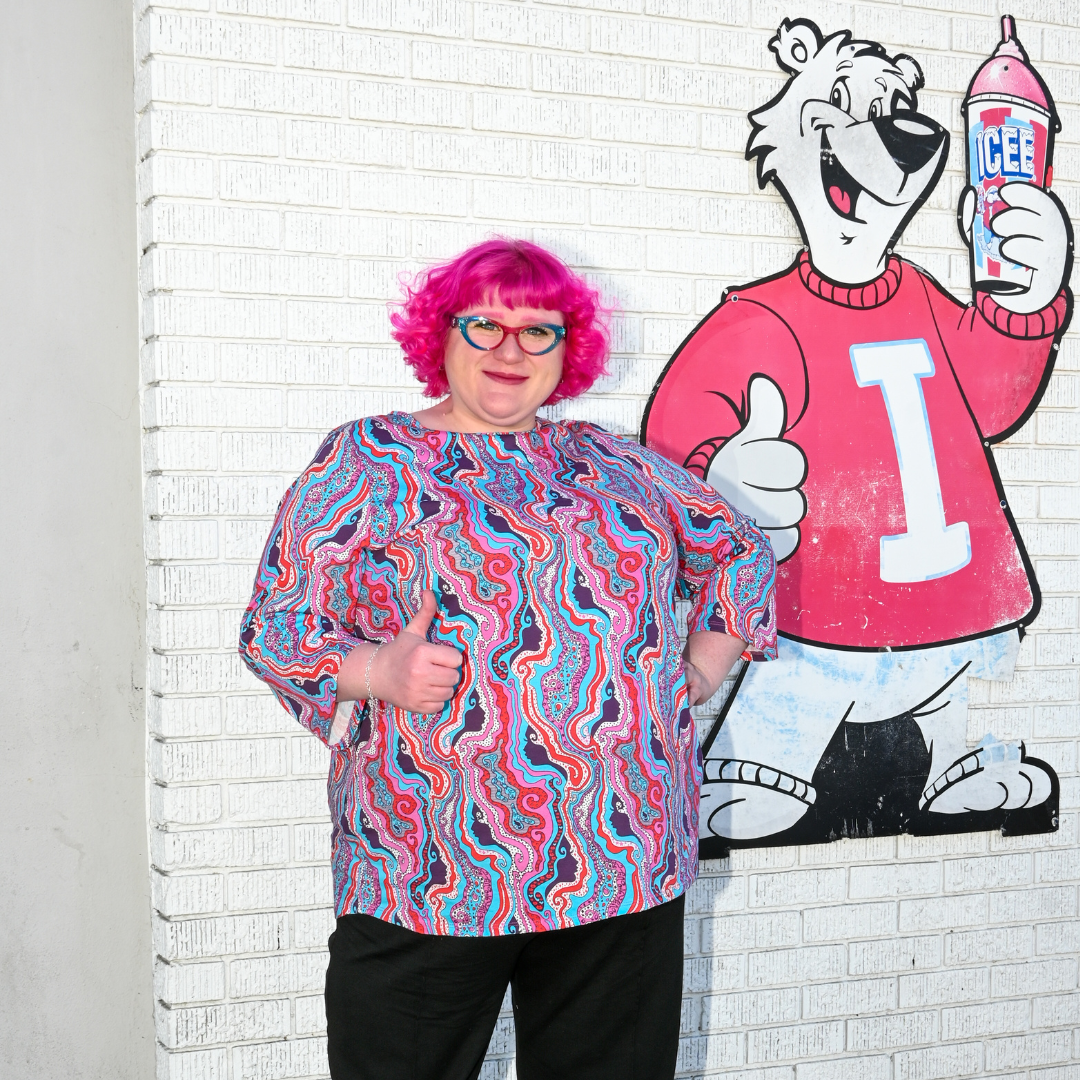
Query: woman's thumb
{"points": [[421, 621]]}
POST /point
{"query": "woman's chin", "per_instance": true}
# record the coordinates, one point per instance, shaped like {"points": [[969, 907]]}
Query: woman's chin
{"points": [[505, 409]]}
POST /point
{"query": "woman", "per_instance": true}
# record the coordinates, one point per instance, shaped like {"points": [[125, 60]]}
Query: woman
{"points": [[514, 793]]}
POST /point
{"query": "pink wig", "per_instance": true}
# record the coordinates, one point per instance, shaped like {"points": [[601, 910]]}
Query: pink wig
{"points": [[518, 274]]}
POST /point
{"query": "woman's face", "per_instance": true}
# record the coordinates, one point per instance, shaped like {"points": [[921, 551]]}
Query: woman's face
{"points": [[501, 390]]}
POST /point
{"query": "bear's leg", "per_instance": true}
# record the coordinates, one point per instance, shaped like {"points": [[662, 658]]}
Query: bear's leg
{"points": [[993, 774], [758, 769]]}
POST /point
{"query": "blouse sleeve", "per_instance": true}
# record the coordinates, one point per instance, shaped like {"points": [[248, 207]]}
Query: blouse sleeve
{"points": [[726, 563], [299, 624]]}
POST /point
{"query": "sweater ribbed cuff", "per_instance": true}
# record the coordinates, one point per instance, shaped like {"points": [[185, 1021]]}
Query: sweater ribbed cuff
{"points": [[1037, 324]]}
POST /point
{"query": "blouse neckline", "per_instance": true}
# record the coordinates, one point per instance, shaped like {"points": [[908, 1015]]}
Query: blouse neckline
{"points": [[408, 421]]}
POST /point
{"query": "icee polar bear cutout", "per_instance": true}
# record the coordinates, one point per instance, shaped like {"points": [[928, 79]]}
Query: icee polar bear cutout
{"points": [[848, 405]]}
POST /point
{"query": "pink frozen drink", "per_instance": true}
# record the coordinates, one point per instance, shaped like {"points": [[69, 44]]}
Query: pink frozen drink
{"points": [[1011, 122]]}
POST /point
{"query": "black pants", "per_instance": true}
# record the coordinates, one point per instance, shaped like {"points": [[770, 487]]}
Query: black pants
{"points": [[595, 1002]]}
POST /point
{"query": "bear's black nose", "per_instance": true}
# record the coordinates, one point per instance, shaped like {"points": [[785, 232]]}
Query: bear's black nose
{"points": [[911, 138]]}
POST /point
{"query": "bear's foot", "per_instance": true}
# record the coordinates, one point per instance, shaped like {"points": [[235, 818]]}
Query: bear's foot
{"points": [[994, 776], [744, 800]]}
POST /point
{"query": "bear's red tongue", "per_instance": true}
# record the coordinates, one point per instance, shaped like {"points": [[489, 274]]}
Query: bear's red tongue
{"points": [[841, 199]]}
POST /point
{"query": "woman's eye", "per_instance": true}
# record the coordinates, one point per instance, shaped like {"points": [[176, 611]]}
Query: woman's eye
{"points": [[876, 108], [840, 98], [485, 325]]}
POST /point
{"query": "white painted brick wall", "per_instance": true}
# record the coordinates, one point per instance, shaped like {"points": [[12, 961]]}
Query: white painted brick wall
{"points": [[296, 156]]}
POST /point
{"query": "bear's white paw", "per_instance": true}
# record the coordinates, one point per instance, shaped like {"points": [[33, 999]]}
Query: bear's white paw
{"points": [[994, 776], [744, 800]]}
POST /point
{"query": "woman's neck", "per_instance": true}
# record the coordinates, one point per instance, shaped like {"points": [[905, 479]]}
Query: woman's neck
{"points": [[447, 416]]}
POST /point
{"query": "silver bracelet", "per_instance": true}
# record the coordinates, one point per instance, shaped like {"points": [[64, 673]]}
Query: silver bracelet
{"points": [[367, 671]]}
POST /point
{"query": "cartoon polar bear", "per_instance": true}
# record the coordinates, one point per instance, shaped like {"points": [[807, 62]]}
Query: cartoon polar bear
{"points": [[848, 406]]}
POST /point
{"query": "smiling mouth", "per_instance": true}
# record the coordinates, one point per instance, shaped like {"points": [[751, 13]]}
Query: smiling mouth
{"points": [[506, 378], [841, 188]]}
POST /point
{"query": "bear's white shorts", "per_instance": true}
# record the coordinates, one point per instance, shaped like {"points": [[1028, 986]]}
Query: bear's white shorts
{"points": [[786, 711]]}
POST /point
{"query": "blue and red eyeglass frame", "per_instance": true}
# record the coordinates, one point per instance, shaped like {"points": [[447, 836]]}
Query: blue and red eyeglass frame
{"points": [[462, 323]]}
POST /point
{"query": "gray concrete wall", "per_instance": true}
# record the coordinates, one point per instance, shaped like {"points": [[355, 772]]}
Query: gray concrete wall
{"points": [[75, 952]]}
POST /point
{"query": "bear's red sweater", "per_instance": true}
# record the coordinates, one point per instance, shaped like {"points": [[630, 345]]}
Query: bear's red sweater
{"points": [[798, 329]]}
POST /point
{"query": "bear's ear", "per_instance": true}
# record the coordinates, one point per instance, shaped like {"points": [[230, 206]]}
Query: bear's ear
{"points": [[796, 43], [910, 72]]}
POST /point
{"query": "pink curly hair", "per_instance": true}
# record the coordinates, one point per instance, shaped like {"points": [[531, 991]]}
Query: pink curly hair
{"points": [[518, 274]]}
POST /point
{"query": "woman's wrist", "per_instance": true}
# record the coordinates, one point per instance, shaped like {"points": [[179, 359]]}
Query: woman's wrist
{"points": [[353, 681], [368, 695], [712, 655]]}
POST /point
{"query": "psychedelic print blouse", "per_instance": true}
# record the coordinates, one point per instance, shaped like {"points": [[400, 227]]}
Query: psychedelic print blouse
{"points": [[559, 785]]}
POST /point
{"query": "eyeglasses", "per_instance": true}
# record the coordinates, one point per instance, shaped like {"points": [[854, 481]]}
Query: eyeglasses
{"points": [[486, 334]]}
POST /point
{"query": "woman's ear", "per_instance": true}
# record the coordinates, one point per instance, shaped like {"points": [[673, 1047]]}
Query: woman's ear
{"points": [[796, 43]]}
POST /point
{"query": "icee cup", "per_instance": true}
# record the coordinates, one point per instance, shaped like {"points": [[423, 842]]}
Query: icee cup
{"points": [[1011, 121]]}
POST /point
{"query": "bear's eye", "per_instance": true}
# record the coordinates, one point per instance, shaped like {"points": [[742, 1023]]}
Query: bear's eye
{"points": [[899, 102], [876, 108], [840, 97]]}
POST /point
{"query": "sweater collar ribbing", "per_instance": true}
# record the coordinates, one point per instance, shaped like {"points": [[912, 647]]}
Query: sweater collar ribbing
{"points": [[871, 295]]}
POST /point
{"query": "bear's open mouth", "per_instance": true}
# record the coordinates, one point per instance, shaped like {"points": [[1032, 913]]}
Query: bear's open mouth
{"points": [[841, 188]]}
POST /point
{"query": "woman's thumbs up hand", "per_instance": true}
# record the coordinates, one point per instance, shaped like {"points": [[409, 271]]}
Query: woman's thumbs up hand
{"points": [[424, 617], [409, 671], [412, 673]]}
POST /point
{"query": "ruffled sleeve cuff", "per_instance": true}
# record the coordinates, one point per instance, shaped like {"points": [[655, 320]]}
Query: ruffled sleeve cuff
{"points": [[306, 687], [758, 630]]}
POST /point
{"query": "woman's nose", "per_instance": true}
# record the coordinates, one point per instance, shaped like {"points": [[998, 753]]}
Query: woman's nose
{"points": [[509, 350]]}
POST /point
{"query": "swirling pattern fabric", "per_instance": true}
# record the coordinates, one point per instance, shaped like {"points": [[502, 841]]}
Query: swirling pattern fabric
{"points": [[559, 785]]}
